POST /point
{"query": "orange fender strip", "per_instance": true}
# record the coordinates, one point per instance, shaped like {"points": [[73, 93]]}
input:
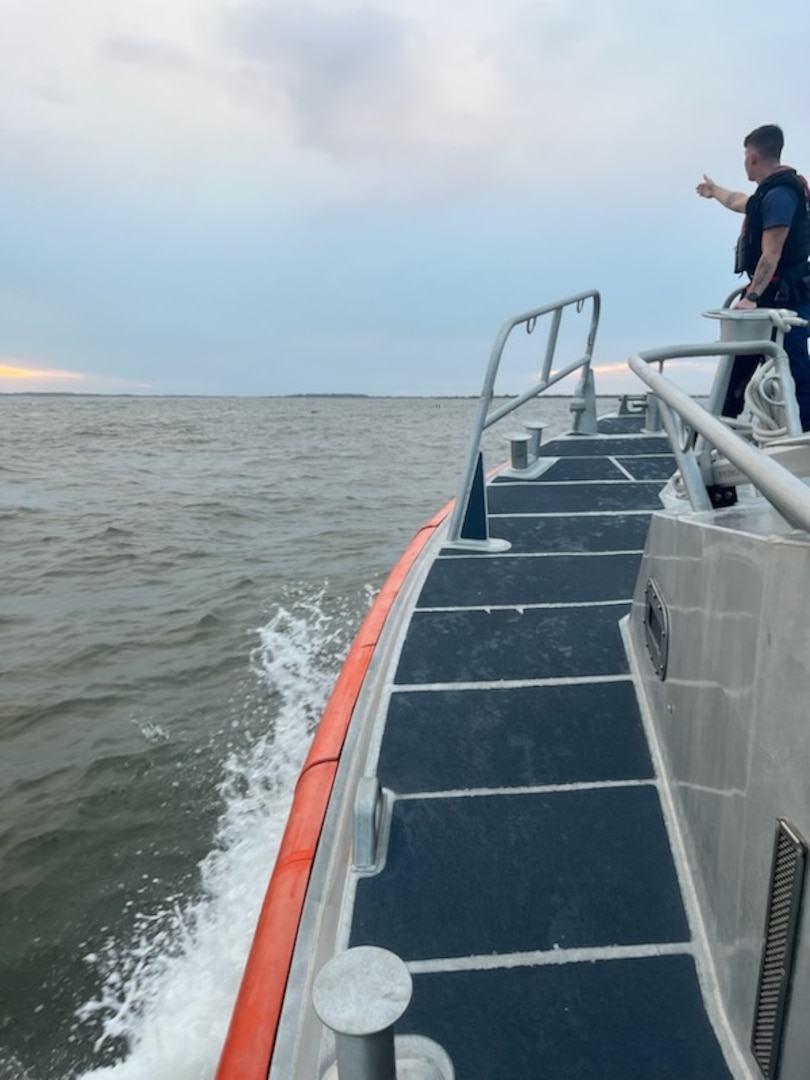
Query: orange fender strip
{"points": [[251, 1037]]}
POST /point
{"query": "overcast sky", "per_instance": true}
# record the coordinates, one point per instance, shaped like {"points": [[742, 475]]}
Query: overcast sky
{"points": [[276, 196]]}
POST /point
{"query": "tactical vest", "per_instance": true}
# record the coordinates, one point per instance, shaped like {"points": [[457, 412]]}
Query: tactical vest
{"points": [[793, 260]]}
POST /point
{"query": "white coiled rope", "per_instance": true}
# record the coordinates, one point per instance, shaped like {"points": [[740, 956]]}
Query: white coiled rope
{"points": [[764, 394], [766, 402]]}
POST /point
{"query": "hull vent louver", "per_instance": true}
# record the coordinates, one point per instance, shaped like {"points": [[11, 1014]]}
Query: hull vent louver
{"points": [[781, 923], [656, 628]]}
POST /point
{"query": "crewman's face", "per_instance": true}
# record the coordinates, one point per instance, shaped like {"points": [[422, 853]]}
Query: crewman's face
{"points": [[750, 162]]}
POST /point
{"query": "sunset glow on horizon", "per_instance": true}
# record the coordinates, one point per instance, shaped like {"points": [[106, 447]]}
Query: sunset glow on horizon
{"points": [[16, 377], [15, 371]]}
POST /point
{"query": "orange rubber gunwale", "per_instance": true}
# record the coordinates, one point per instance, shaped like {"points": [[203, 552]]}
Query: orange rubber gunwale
{"points": [[250, 1041]]}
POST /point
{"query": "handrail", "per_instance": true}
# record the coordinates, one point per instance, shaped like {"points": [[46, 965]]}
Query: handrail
{"points": [[786, 493], [735, 294], [485, 419]]}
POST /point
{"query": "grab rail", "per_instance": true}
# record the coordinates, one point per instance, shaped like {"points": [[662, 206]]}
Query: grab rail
{"points": [[685, 420], [735, 294], [485, 419]]}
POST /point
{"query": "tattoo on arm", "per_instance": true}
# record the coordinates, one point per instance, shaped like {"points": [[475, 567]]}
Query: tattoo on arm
{"points": [[762, 275]]}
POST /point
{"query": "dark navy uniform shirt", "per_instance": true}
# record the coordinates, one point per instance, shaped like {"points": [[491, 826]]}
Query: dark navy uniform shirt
{"points": [[779, 206]]}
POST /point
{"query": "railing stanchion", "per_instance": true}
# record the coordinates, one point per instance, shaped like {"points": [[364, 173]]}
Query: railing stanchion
{"points": [[551, 346], [485, 416]]}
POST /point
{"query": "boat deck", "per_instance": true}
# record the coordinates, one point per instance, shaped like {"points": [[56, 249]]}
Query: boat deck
{"points": [[529, 882]]}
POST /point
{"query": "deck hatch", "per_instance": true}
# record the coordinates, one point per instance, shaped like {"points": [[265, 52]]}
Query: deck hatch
{"points": [[784, 899], [656, 628]]}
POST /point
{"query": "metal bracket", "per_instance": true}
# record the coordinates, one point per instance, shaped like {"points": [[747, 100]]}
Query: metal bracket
{"points": [[474, 534], [372, 824]]}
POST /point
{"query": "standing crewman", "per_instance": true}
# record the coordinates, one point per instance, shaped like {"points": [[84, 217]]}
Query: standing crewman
{"points": [[772, 250]]}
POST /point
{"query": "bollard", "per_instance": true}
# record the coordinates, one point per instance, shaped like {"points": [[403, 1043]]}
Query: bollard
{"points": [[360, 994], [519, 451], [535, 429]]}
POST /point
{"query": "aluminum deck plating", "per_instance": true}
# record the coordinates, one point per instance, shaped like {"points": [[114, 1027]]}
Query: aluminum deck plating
{"points": [[528, 881]]}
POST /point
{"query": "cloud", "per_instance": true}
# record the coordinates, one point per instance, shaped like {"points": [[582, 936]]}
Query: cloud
{"points": [[318, 102], [121, 93], [415, 98], [370, 83], [147, 51]]}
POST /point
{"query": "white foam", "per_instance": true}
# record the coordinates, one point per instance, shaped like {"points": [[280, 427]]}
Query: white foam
{"points": [[151, 731], [170, 992]]}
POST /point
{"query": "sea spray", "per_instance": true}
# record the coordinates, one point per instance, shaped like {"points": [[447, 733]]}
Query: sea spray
{"points": [[167, 996]]}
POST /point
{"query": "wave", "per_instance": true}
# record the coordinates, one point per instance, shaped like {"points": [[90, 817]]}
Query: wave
{"points": [[166, 996]]}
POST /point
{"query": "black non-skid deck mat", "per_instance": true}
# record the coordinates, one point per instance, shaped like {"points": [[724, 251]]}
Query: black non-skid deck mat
{"points": [[638, 1019], [574, 468], [563, 870], [568, 532], [546, 579], [502, 872], [649, 467], [583, 468], [584, 445], [550, 498], [627, 424], [537, 643], [447, 740]]}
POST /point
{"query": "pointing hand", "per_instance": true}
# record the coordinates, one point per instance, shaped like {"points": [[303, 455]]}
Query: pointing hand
{"points": [[706, 188]]}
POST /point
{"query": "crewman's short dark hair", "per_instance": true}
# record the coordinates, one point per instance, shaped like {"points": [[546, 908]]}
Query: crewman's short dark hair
{"points": [[768, 140]]}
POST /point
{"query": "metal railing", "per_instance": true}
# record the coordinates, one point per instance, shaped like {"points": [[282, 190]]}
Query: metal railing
{"points": [[735, 294], [584, 399], [686, 421]]}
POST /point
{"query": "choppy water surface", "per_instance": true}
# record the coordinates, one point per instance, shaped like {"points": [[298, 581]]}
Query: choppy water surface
{"points": [[181, 581]]}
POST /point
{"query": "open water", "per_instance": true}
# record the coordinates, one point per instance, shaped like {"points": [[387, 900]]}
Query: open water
{"points": [[181, 579]]}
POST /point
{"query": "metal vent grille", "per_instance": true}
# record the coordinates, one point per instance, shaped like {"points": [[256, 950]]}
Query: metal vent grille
{"points": [[787, 879], [656, 628]]}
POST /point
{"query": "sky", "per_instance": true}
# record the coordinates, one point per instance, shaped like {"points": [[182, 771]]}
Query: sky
{"points": [[302, 196]]}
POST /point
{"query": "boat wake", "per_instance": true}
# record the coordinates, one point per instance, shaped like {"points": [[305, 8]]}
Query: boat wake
{"points": [[167, 995]]}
